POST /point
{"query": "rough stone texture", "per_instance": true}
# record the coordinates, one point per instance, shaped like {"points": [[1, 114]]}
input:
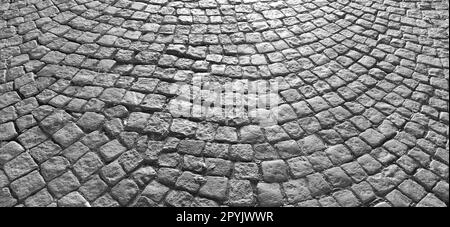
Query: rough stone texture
{"points": [[124, 191], [73, 199], [40, 199], [68, 135], [64, 184], [27, 185], [241, 193], [7, 131], [87, 165], [215, 188], [274, 171], [128, 103], [19, 166], [269, 194], [6, 199]]}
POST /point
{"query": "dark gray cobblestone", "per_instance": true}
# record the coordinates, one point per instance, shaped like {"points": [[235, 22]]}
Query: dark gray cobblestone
{"points": [[88, 108]]}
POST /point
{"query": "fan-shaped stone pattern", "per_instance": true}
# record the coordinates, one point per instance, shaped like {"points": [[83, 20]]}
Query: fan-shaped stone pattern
{"points": [[99, 103]]}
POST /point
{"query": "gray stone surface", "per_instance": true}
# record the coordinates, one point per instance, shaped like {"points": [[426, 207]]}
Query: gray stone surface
{"points": [[151, 103]]}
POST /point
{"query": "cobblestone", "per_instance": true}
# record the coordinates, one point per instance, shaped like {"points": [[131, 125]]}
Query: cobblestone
{"points": [[102, 103]]}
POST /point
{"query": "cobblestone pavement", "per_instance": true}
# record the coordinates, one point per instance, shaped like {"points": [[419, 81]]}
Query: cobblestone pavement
{"points": [[87, 91]]}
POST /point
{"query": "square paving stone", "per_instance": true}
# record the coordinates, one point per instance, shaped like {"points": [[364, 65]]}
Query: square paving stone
{"points": [[137, 121], [296, 191], [93, 188], [3, 179], [265, 151], [40, 199], [132, 98], [328, 202], [269, 195], [179, 198], [311, 144], [337, 177], [44, 151], [88, 108], [8, 99], [10, 150], [155, 191], [6, 199], [112, 173], [193, 147], [347, 130], [318, 104], [124, 191], [300, 167], [153, 102], [274, 171], [7, 131], [169, 159], [183, 127], [32, 137], [355, 171], [317, 184], [372, 137], [396, 147], [113, 95], [105, 201], [87, 165], [431, 201], [288, 149], [284, 113], [398, 199], [189, 181], [364, 191], [20, 166], [95, 139], [158, 124], [73, 199], [346, 198], [369, 164], [54, 167], [275, 133], [63, 184], [8, 114], [241, 193], [90, 121], [68, 135], [389, 178], [111, 150], [320, 161], [130, 160], [153, 149], [339, 154], [441, 190], [241, 152], [215, 188], [407, 163], [218, 166], [358, 146], [247, 171], [193, 163], [75, 151], [251, 134], [413, 190]]}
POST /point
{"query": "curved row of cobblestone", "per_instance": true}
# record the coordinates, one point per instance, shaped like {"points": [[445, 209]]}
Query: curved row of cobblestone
{"points": [[98, 103]]}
